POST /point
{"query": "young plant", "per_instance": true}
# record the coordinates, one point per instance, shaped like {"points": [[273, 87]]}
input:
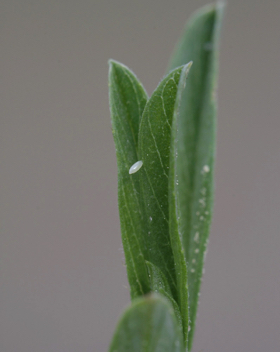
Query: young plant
{"points": [[165, 148]]}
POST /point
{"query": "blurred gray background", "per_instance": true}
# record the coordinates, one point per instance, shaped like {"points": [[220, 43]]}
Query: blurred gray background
{"points": [[62, 277]]}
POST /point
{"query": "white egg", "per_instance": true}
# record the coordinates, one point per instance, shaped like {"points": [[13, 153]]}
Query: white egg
{"points": [[135, 167]]}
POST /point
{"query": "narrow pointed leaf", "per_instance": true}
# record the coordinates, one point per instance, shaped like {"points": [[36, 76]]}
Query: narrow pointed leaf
{"points": [[174, 214], [127, 101], [195, 148], [148, 325], [154, 151], [159, 284]]}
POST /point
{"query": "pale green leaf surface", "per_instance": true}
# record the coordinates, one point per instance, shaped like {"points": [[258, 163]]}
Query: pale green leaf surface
{"points": [[195, 146], [127, 101], [154, 151], [148, 325]]}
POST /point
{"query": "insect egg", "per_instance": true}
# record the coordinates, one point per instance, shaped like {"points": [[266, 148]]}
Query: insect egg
{"points": [[135, 167]]}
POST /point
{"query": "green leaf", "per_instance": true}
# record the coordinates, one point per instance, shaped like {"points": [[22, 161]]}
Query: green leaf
{"points": [[164, 247], [154, 150], [159, 284], [195, 143], [148, 325], [127, 101], [174, 214]]}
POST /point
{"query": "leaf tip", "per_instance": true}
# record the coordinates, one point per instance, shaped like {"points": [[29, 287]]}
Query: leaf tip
{"points": [[188, 66], [113, 65]]}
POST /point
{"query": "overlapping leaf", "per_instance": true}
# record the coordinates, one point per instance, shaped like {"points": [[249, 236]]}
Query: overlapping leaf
{"points": [[154, 151], [127, 101], [166, 207], [162, 241], [144, 211], [194, 143], [174, 212], [148, 325]]}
